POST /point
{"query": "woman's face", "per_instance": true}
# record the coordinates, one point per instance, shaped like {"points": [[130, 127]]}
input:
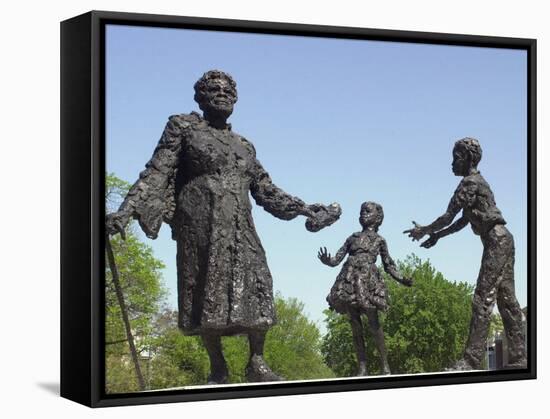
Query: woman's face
{"points": [[218, 97]]}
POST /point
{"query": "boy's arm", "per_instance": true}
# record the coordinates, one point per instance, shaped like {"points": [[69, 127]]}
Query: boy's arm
{"points": [[453, 228], [454, 207]]}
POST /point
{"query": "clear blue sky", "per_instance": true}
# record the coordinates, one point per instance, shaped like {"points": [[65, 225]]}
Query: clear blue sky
{"points": [[335, 120]]}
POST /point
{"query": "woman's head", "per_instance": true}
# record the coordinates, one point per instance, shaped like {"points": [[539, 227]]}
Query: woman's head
{"points": [[216, 92]]}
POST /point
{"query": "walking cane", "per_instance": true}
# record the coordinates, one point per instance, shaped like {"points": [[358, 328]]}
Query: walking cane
{"points": [[120, 297]]}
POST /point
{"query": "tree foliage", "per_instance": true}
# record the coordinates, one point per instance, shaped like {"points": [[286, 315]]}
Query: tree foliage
{"points": [[292, 346], [495, 326], [167, 358], [292, 349], [143, 292], [115, 191], [425, 327], [177, 360]]}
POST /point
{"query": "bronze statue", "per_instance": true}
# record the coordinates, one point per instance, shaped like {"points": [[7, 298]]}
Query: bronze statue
{"points": [[475, 199], [198, 181], [359, 288]]}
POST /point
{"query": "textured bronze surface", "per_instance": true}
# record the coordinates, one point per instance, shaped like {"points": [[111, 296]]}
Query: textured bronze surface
{"points": [[359, 288], [495, 282], [198, 181]]}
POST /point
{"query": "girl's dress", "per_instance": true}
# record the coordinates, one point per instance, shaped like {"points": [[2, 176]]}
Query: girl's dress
{"points": [[359, 285]]}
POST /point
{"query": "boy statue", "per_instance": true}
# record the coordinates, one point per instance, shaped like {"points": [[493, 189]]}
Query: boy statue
{"points": [[495, 282]]}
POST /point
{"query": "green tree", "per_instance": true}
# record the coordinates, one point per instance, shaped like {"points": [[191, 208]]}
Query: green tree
{"points": [[425, 327], [143, 289], [292, 349], [178, 360], [115, 191], [496, 325], [143, 293], [167, 358], [292, 346]]}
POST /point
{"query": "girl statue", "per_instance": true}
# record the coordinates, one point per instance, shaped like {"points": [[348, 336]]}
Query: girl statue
{"points": [[359, 288]]}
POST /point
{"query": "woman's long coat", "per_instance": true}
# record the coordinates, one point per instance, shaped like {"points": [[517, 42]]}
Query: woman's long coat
{"points": [[198, 182]]}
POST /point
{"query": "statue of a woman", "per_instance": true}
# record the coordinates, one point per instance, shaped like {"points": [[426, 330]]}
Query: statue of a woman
{"points": [[198, 181]]}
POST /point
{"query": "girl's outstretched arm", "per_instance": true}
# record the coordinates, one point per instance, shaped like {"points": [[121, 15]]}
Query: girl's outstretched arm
{"points": [[328, 260], [389, 265]]}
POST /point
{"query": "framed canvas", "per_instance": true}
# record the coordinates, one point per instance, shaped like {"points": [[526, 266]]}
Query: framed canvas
{"points": [[193, 150]]}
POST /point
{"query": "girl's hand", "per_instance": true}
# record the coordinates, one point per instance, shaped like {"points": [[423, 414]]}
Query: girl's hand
{"points": [[407, 282], [324, 256]]}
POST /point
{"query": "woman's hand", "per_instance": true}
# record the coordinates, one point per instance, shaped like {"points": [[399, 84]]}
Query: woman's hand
{"points": [[116, 222], [320, 216]]}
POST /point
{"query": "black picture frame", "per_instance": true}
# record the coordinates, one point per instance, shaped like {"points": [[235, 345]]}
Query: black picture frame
{"points": [[82, 208]]}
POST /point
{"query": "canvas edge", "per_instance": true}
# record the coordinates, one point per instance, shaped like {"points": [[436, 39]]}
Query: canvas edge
{"points": [[82, 363]]}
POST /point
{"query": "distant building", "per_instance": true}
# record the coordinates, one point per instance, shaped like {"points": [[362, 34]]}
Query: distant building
{"points": [[497, 346]]}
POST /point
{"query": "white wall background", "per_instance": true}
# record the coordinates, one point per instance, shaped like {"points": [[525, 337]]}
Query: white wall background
{"points": [[29, 141]]}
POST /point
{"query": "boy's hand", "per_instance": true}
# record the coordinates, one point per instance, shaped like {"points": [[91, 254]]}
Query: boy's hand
{"points": [[417, 232], [432, 241]]}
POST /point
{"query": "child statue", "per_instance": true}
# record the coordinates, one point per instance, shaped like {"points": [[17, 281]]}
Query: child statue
{"points": [[495, 282], [359, 288]]}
